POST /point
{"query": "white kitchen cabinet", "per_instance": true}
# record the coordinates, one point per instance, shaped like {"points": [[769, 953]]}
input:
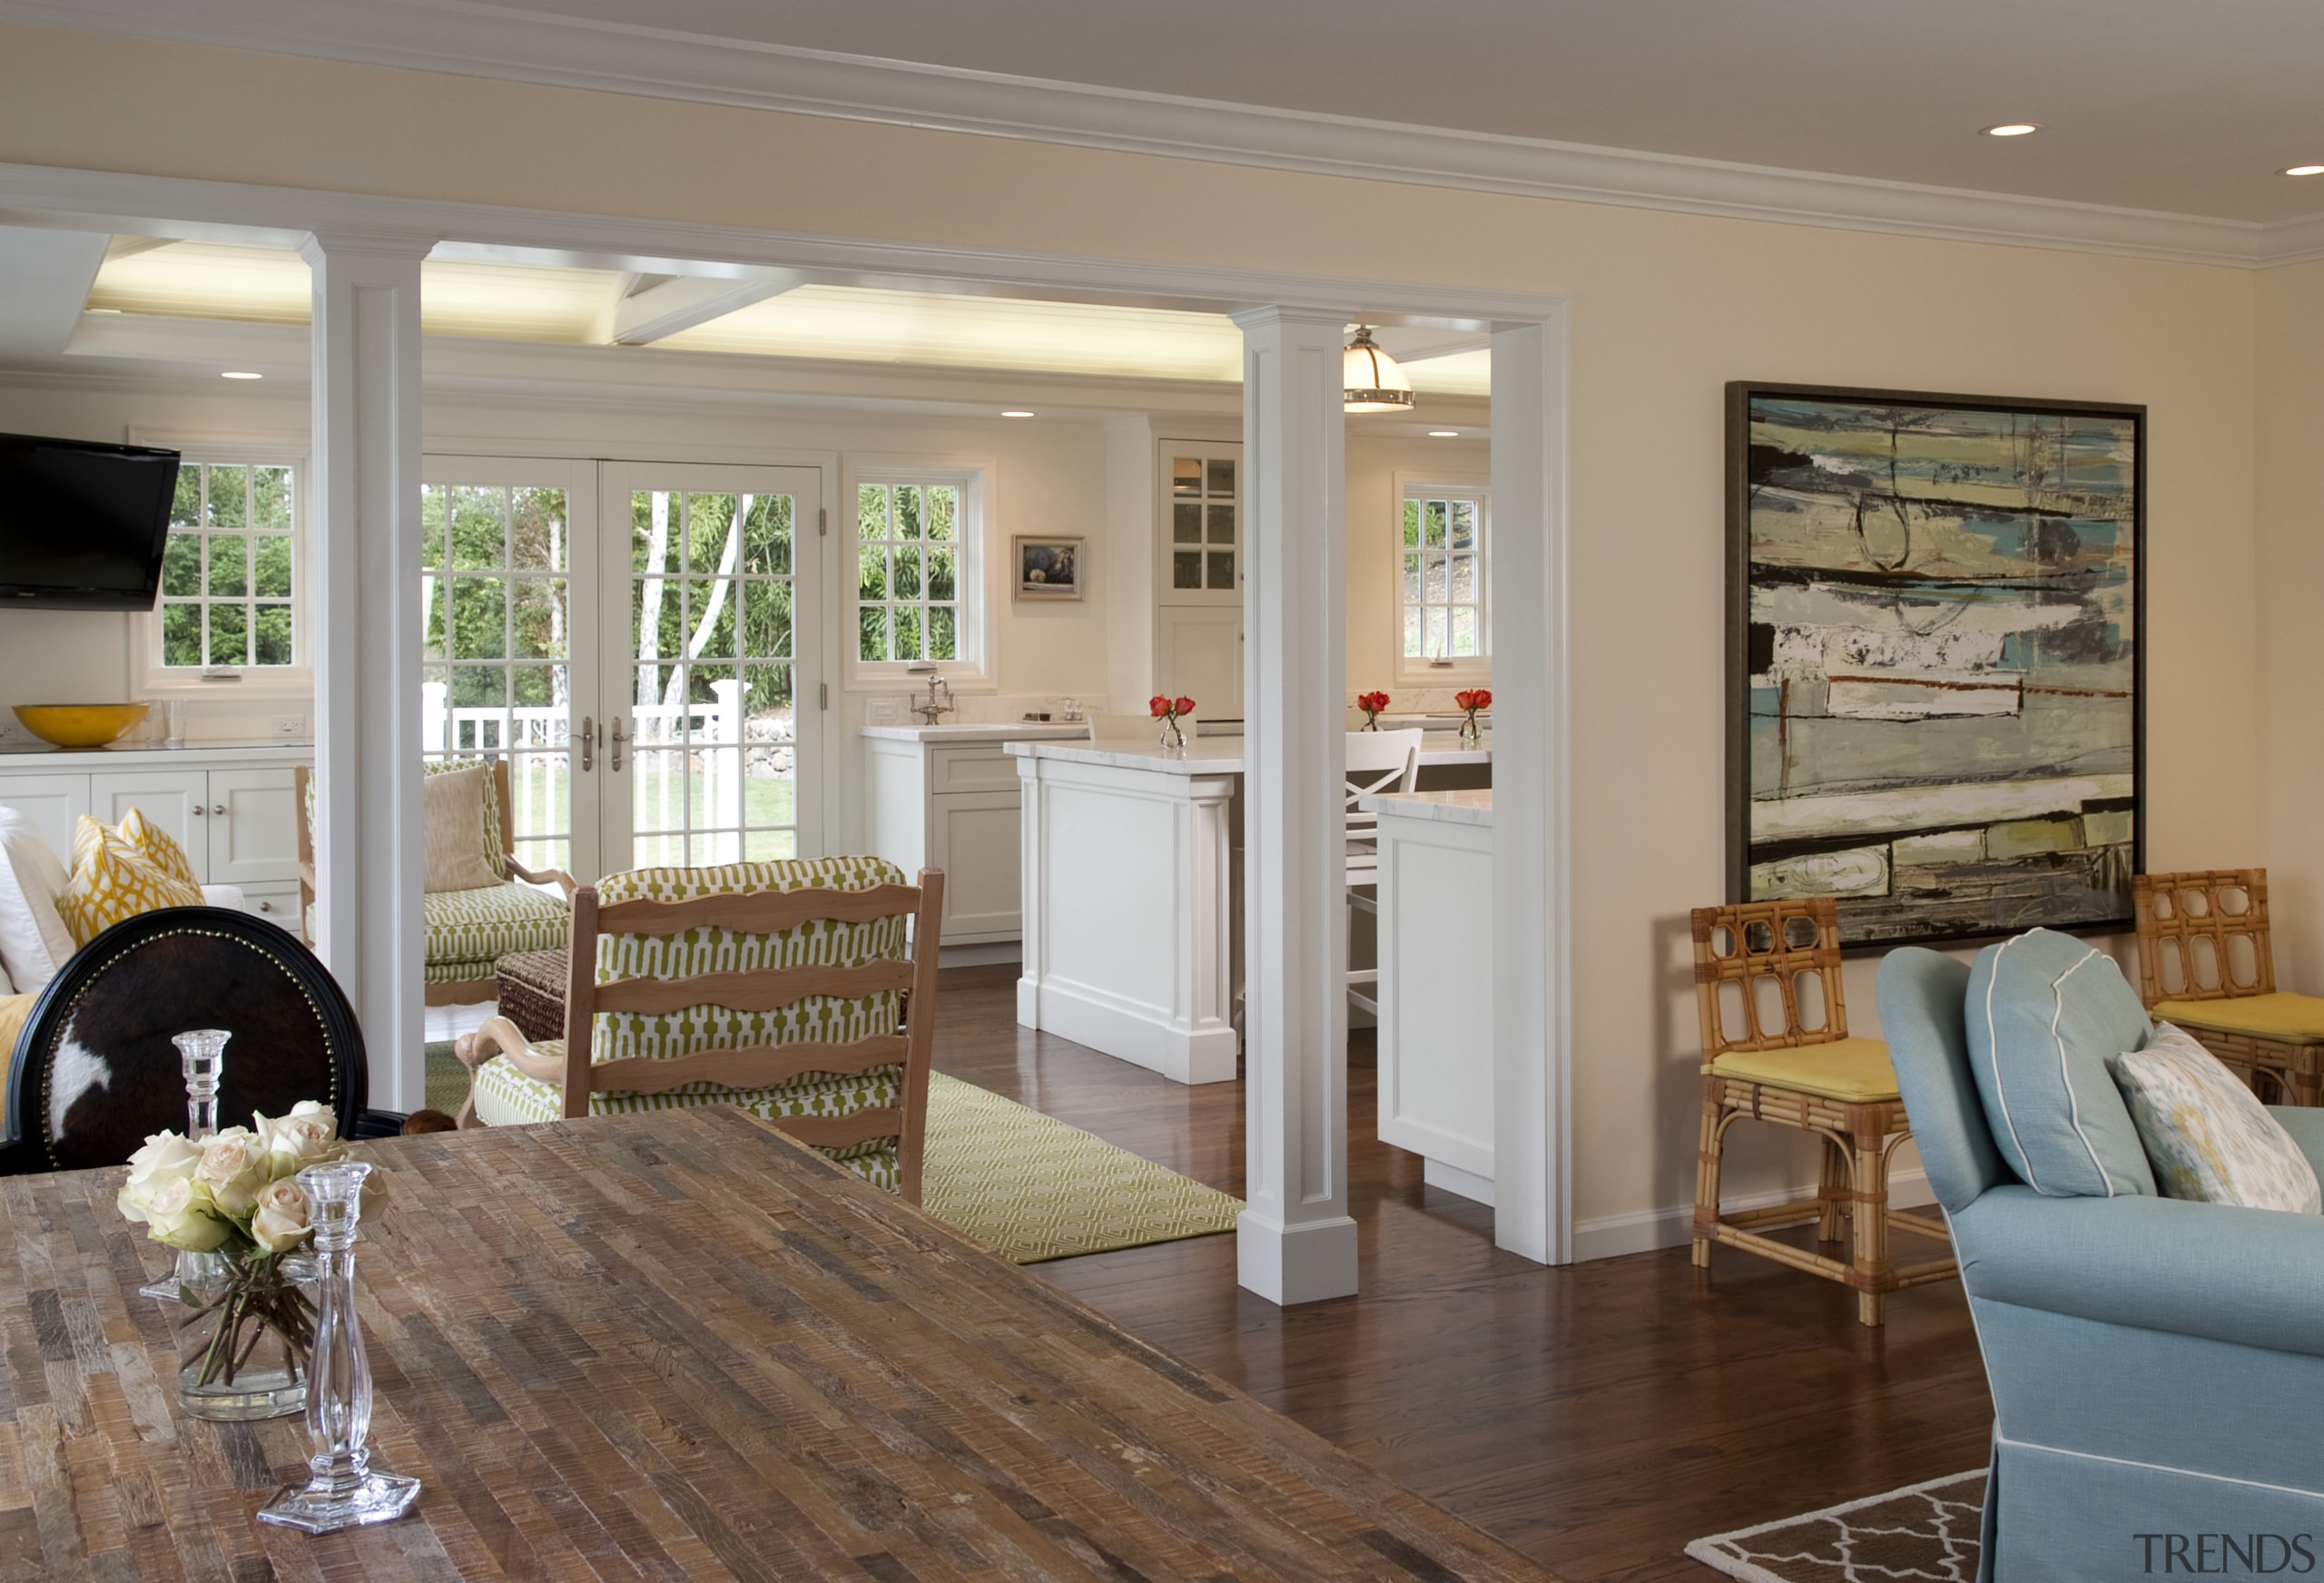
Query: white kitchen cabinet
{"points": [[232, 808], [945, 797]]}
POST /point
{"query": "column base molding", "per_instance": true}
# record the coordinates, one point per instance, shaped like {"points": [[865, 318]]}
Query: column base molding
{"points": [[1309, 1263]]}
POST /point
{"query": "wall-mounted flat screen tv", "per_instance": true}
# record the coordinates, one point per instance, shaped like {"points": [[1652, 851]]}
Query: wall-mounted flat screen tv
{"points": [[83, 525]]}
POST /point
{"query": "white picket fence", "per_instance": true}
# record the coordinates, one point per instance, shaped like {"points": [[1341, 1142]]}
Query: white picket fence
{"points": [[538, 743]]}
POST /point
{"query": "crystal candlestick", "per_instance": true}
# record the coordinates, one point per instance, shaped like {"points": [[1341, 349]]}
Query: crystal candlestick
{"points": [[202, 1055], [344, 1490]]}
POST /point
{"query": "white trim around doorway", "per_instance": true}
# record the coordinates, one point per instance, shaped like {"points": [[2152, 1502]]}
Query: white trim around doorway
{"points": [[1536, 815]]}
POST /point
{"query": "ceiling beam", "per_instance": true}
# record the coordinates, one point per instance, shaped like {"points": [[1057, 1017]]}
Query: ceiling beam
{"points": [[643, 317], [45, 281]]}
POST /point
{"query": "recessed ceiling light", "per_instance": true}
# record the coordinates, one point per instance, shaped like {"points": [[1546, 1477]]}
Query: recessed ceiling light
{"points": [[241, 374], [2013, 129], [2304, 171], [1444, 434], [1017, 412]]}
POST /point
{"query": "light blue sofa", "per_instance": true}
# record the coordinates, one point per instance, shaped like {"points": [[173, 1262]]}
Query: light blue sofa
{"points": [[2157, 1365]]}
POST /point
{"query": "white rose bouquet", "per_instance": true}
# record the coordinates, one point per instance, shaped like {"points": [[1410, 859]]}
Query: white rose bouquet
{"points": [[233, 1198]]}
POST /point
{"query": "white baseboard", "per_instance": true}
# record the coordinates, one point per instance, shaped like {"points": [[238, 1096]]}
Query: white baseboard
{"points": [[984, 956], [1644, 1230]]}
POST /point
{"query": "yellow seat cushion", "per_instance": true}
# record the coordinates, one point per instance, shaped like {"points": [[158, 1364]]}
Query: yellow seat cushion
{"points": [[2292, 1019], [1853, 1069]]}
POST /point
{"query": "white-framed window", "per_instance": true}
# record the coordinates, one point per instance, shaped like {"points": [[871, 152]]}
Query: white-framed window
{"points": [[232, 607], [1444, 613], [916, 544]]}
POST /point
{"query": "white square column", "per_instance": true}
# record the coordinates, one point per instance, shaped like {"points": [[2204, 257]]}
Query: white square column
{"points": [[1294, 1242], [1532, 848], [365, 490]]}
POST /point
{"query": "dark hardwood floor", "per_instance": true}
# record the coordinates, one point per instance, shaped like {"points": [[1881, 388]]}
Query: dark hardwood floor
{"points": [[1597, 1417]]}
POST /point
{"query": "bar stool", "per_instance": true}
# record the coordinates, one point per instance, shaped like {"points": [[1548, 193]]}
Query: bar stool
{"points": [[1377, 762]]}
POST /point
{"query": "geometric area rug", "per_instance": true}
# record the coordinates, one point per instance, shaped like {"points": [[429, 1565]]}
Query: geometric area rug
{"points": [[1026, 1185], [1921, 1532]]}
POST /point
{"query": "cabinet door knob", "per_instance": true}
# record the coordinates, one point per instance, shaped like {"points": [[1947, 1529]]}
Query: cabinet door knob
{"points": [[266, 907], [199, 811], [217, 808]]}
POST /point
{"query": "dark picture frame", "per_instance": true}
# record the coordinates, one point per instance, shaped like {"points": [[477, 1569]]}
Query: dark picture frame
{"points": [[1936, 658]]}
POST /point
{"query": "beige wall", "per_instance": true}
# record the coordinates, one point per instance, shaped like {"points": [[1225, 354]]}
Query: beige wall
{"points": [[1665, 308], [2291, 618]]}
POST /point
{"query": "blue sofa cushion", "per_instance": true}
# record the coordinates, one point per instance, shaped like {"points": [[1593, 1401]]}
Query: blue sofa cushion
{"points": [[2044, 1012]]}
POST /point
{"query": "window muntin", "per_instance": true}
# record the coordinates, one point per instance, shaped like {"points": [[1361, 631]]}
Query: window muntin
{"points": [[497, 614], [230, 569], [912, 543], [1205, 523], [1442, 576]]}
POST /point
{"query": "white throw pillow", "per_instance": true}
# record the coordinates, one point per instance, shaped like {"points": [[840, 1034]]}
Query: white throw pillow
{"points": [[33, 941], [2206, 1135]]}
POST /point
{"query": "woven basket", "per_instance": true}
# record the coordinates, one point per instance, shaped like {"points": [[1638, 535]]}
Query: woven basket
{"points": [[532, 992]]}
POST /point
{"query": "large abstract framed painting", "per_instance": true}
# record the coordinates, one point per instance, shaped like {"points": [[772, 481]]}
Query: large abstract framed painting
{"points": [[1934, 658]]}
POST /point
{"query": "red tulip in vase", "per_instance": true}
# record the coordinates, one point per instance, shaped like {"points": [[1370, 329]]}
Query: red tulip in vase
{"points": [[1169, 712], [1469, 703], [1373, 705]]}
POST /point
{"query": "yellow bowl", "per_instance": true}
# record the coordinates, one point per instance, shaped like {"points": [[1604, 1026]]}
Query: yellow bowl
{"points": [[81, 725]]}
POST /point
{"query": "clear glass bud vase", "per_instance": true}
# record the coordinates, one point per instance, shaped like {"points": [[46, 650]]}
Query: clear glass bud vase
{"points": [[344, 1491], [245, 1327]]}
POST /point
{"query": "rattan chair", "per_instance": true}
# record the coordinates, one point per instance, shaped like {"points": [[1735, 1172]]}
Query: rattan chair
{"points": [[1775, 1048], [2206, 964]]}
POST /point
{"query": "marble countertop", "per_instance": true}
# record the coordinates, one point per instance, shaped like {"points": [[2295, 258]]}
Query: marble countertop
{"points": [[1448, 807], [144, 754], [979, 732], [1213, 755]]}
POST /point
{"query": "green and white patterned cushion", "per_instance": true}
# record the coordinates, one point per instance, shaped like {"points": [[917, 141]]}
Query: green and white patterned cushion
{"points": [[468, 930], [507, 1097], [503, 1092], [2206, 1135]]}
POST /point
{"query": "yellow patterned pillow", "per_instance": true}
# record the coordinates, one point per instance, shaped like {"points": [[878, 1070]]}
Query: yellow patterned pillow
{"points": [[155, 845], [112, 882]]}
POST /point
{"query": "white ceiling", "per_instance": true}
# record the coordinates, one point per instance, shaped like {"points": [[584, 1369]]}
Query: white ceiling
{"points": [[2188, 106]]}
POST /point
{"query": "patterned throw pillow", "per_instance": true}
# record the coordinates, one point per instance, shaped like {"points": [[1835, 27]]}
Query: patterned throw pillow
{"points": [[2207, 1136], [113, 880], [156, 846]]}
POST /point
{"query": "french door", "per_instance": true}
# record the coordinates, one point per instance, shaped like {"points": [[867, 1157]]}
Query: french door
{"points": [[637, 639]]}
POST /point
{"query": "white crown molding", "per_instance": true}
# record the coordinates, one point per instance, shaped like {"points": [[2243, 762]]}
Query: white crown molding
{"points": [[466, 38]]}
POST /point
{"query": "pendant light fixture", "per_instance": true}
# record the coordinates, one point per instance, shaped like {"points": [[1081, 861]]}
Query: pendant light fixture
{"points": [[1374, 382]]}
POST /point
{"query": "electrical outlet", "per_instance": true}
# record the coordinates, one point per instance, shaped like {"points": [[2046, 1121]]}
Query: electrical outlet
{"points": [[288, 724]]}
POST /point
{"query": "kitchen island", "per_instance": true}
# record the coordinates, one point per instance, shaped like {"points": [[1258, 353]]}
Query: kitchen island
{"points": [[1132, 895], [1435, 988]]}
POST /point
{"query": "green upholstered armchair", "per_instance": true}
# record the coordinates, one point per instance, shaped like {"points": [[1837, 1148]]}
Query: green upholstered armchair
{"points": [[467, 931]]}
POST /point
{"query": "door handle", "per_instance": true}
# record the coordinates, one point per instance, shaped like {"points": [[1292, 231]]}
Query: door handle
{"points": [[617, 744], [589, 729]]}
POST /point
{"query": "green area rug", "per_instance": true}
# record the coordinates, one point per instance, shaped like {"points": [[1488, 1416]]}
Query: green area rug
{"points": [[1025, 1184]]}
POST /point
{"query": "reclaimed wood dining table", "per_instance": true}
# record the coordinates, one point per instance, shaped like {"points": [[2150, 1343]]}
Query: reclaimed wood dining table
{"points": [[667, 1346]]}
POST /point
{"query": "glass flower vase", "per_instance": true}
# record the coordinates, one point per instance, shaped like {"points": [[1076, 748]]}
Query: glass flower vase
{"points": [[1172, 737], [245, 1326]]}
